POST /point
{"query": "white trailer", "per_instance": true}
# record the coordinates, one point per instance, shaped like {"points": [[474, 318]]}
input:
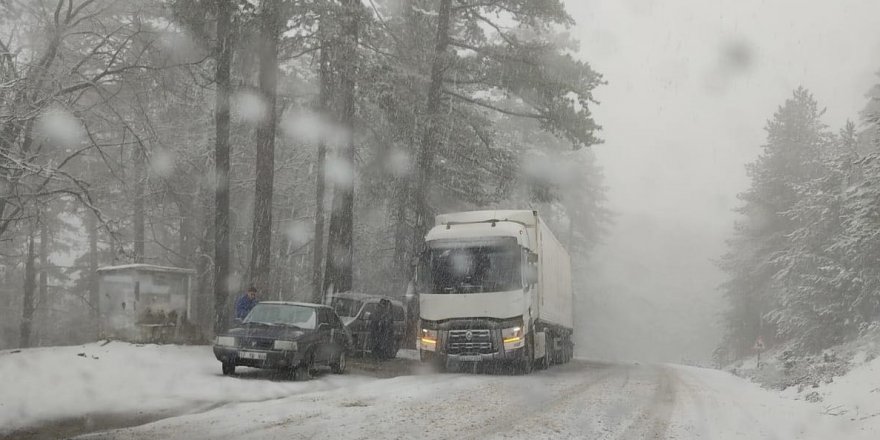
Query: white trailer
{"points": [[494, 286]]}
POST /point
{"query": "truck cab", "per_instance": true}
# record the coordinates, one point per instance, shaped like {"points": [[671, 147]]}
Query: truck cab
{"points": [[478, 283]]}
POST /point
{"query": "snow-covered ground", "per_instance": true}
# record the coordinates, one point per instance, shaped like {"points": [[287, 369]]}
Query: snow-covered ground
{"points": [[843, 381], [579, 400], [56, 383], [853, 398]]}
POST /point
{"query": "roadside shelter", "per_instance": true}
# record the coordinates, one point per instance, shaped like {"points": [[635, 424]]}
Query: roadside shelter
{"points": [[144, 303]]}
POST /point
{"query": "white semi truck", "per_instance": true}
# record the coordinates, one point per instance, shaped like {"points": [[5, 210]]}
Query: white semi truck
{"points": [[494, 286]]}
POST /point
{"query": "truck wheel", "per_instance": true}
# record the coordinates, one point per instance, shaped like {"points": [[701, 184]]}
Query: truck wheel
{"points": [[228, 368], [528, 362], [544, 362], [434, 361], [559, 355], [341, 363]]}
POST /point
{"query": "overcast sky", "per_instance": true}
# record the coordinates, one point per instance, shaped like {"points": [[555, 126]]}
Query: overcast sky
{"points": [[691, 84]]}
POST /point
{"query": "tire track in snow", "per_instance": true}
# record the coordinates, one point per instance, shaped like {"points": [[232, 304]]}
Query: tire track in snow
{"points": [[702, 395], [529, 412], [653, 420]]}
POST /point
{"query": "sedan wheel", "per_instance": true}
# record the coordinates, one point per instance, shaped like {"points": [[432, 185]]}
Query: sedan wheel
{"points": [[300, 373], [341, 364], [228, 368]]}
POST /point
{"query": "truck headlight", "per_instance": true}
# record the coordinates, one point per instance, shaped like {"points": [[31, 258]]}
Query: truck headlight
{"points": [[513, 338], [226, 341], [285, 345], [428, 340]]}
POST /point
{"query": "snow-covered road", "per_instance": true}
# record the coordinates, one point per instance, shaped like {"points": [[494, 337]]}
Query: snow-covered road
{"points": [[582, 400], [182, 391]]}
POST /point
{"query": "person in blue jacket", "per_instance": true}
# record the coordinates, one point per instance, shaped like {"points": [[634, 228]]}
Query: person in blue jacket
{"points": [[246, 302]]}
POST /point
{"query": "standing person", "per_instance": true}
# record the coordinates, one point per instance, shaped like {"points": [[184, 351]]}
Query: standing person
{"points": [[382, 330], [245, 302]]}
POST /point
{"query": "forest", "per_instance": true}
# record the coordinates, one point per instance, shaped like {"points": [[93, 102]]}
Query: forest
{"points": [[300, 146], [802, 267]]}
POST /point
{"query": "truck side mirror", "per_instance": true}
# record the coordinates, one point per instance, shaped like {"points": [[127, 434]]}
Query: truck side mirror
{"points": [[530, 274], [533, 257]]}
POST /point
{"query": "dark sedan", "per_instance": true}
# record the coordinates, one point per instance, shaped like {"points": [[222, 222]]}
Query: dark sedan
{"points": [[294, 337]]}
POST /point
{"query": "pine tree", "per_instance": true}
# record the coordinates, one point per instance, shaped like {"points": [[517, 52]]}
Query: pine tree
{"points": [[796, 139]]}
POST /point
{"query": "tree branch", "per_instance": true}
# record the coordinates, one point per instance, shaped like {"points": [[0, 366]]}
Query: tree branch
{"points": [[493, 107]]}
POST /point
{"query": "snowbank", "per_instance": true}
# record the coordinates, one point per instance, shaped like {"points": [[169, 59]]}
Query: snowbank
{"points": [[713, 404], [853, 398], [55, 383], [843, 382]]}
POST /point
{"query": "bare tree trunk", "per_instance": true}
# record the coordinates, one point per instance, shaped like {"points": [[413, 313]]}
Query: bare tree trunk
{"points": [[204, 310], [140, 177], [261, 253], [185, 234], [42, 305], [430, 140], [340, 249], [324, 108], [402, 234], [92, 229], [27, 314], [318, 243], [221, 164]]}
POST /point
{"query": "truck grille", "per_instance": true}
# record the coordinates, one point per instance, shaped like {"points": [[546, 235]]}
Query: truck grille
{"points": [[470, 342]]}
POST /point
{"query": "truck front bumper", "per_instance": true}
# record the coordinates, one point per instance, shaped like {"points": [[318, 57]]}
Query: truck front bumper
{"points": [[502, 355]]}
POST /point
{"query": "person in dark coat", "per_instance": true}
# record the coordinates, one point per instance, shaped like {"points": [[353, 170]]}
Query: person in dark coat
{"points": [[382, 330], [246, 302]]}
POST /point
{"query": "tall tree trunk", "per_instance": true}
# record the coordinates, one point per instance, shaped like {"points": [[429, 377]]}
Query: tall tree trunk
{"points": [[431, 139], [221, 164], [140, 177], [92, 229], [318, 241], [42, 305], [404, 208], [324, 108], [27, 313], [402, 234], [186, 240], [340, 249], [204, 293], [261, 254]]}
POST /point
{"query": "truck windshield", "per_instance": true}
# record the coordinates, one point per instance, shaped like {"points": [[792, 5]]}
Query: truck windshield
{"points": [[464, 268]]}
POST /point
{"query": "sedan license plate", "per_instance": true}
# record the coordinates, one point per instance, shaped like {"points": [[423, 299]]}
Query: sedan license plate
{"points": [[252, 355], [470, 358]]}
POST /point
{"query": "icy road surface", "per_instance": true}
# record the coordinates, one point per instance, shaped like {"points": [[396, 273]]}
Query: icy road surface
{"points": [[580, 401], [159, 392]]}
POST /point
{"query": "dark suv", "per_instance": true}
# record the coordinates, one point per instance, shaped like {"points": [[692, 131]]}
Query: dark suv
{"points": [[358, 310], [295, 337]]}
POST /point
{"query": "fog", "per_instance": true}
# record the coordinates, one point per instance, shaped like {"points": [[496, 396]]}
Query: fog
{"points": [[688, 87], [453, 218], [691, 84]]}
